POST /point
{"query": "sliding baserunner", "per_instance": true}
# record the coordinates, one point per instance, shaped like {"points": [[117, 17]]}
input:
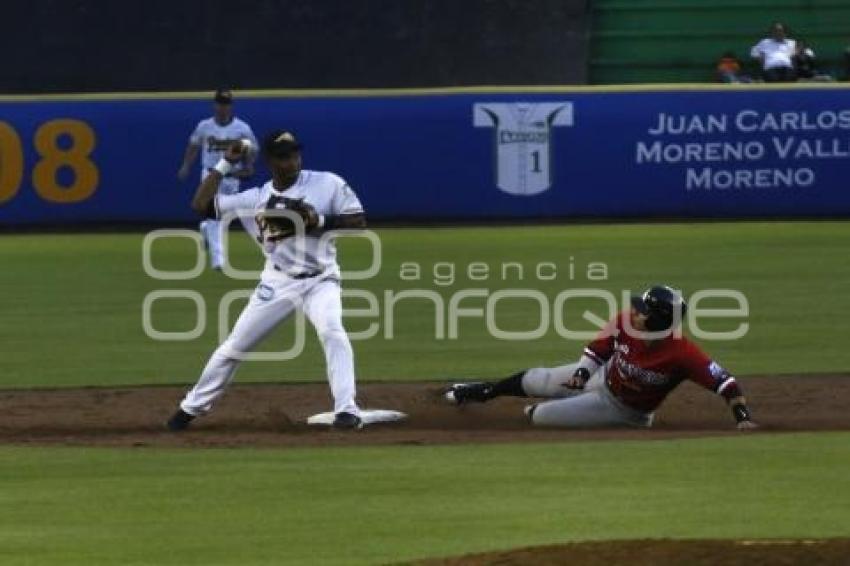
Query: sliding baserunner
{"points": [[639, 360]]}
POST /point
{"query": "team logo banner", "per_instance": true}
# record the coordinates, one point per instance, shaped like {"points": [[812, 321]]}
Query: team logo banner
{"points": [[717, 152], [523, 141]]}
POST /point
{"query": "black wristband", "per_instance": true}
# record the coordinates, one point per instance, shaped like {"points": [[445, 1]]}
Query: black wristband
{"points": [[583, 373], [331, 221], [741, 412]]}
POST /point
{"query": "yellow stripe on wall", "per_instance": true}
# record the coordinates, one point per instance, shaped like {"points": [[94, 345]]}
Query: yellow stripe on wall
{"points": [[438, 91]]}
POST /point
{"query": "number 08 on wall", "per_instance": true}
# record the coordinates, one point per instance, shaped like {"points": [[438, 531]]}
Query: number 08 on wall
{"points": [[53, 155]]}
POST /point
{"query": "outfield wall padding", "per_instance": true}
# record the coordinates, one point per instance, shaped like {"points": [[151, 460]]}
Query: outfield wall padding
{"points": [[452, 155]]}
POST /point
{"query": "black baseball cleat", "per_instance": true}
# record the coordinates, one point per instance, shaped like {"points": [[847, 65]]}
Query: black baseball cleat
{"points": [[347, 421], [179, 421], [462, 393]]}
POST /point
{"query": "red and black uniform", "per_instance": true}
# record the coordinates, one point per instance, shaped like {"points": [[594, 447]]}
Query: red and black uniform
{"points": [[642, 374]]}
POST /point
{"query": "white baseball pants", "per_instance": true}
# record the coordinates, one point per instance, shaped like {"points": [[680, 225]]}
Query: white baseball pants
{"points": [[211, 232], [593, 406], [274, 300]]}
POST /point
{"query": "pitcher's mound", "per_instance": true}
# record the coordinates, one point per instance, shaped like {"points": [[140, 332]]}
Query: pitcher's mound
{"points": [[767, 552]]}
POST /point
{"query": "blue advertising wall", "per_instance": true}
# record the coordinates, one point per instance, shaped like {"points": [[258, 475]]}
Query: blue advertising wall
{"points": [[460, 154]]}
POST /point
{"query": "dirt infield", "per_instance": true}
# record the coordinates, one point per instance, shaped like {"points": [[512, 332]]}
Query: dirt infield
{"points": [[653, 552], [273, 415]]}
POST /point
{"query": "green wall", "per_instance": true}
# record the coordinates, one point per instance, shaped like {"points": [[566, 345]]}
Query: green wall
{"points": [[680, 40]]}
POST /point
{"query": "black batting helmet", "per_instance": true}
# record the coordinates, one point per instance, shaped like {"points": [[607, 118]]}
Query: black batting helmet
{"points": [[660, 304]]}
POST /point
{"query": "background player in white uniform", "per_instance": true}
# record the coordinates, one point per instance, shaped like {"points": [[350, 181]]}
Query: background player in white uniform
{"points": [[300, 271], [212, 137]]}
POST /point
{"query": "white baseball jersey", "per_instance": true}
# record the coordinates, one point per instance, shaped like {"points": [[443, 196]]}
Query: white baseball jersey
{"points": [[214, 140], [326, 192], [775, 53], [523, 133]]}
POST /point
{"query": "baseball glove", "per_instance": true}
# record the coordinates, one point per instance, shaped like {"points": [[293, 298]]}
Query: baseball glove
{"points": [[279, 227]]}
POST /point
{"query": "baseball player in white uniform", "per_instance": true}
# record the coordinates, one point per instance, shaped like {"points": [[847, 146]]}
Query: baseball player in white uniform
{"points": [[300, 269], [213, 136]]}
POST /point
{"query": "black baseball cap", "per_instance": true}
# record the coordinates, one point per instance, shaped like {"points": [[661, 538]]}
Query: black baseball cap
{"points": [[280, 143], [223, 96]]}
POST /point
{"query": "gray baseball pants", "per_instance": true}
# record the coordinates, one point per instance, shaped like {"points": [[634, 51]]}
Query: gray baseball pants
{"points": [[592, 407]]}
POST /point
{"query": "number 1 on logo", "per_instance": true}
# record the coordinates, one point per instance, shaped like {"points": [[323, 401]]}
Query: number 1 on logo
{"points": [[535, 156]]}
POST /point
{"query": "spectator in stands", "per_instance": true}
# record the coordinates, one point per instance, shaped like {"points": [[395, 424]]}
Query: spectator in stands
{"points": [[775, 54], [729, 69]]}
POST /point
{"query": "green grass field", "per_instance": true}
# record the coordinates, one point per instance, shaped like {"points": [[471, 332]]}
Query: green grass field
{"points": [[72, 303], [378, 505], [72, 311]]}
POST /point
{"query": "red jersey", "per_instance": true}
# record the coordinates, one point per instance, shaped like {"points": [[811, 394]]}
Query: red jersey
{"points": [[641, 375]]}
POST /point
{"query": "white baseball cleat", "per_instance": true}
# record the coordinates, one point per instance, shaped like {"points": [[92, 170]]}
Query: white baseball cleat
{"points": [[449, 395]]}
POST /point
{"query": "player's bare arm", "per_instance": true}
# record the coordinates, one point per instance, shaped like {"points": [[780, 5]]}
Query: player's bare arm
{"points": [[189, 157], [204, 195]]}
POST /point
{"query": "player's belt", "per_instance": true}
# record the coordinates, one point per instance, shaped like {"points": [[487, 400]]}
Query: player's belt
{"points": [[303, 275]]}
